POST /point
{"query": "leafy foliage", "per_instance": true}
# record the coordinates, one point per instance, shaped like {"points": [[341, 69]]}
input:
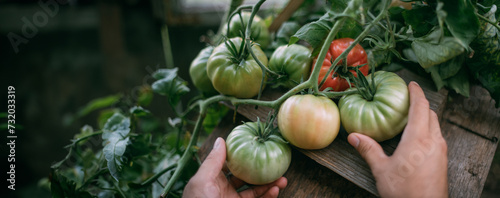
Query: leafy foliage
{"points": [[115, 141], [170, 85]]}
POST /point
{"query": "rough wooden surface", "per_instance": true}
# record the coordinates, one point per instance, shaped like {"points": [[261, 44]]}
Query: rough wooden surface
{"points": [[471, 127]]}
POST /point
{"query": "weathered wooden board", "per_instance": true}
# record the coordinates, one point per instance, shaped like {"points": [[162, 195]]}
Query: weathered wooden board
{"points": [[471, 127], [341, 157]]}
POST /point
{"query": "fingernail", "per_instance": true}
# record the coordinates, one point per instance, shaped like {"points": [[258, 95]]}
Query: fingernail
{"points": [[415, 83], [353, 140], [217, 143]]}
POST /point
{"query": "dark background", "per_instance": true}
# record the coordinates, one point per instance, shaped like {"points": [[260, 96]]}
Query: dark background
{"points": [[87, 50], [91, 49]]}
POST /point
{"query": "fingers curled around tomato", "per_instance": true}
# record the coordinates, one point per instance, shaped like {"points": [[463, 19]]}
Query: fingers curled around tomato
{"points": [[256, 156], [356, 57], [382, 117], [308, 121]]}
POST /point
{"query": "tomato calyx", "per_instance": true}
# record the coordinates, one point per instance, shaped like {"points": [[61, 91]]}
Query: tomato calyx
{"points": [[238, 55], [266, 131], [365, 89]]}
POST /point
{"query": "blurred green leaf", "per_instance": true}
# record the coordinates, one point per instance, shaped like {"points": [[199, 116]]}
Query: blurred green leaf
{"points": [[421, 18], [145, 96], [98, 104], [461, 20], [215, 113], [139, 111], [315, 32], [170, 85], [450, 68], [485, 63], [286, 31], [432, 49], [62, 187]]}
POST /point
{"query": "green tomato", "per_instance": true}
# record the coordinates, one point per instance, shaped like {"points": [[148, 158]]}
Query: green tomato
{"points": [[308, 121], [382, 118], [198, 72], [238, 76], [293, 62], [256, 159], [259, 32]]}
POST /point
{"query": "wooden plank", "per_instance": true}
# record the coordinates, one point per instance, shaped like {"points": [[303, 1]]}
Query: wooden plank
{"points": [[306, 178], [471, 127], [341, 157], [287, 12]]}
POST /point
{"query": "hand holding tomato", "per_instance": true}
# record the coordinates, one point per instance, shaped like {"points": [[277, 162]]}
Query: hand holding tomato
{"points": [[418, 167], [210, 181], [357, 56]]}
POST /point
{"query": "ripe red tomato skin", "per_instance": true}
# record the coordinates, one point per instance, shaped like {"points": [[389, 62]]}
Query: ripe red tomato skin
{"points": [[357, 56]]}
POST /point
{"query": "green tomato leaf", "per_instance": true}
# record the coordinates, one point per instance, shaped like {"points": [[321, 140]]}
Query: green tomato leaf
{"points": [[432, 50], [170, 85], [315, 32], [115, 141], [450, 68], [139, 111], [339, 6], [215, 113], [98, 104], [438, 81], [461, 20], [62, 187], [286, 31], [485, 64], [460, 82], [421, 18]]}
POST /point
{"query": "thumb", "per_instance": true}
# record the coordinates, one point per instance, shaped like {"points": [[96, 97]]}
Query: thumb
{"points": [[368, 148], [215, 160]]}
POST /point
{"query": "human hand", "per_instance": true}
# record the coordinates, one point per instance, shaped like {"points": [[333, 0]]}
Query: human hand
{"points": [[419, 165], [210, 181]]}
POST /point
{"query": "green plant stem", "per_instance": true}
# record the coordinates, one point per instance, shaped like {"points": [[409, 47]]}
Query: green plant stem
{"points": [[236, 11], [157, 175], [117, 187], [188, 153], [91, 178], [71, 146], [361, 36], [495, 24], [227, 15]]}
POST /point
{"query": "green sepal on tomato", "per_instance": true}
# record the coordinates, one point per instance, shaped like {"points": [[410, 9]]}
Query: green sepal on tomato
{"points": [[356, 57], [258, 31], [198, 72], [292, 63], [308, 121], [256, 155], [233, 71], [382, 117]]}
